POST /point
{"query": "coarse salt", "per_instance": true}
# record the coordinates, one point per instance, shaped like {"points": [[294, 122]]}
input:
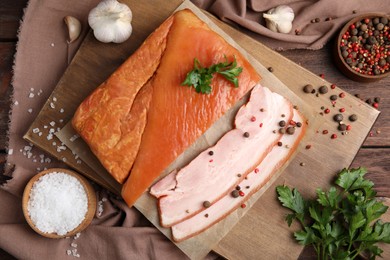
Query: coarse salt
{"points": [[58, 203]]}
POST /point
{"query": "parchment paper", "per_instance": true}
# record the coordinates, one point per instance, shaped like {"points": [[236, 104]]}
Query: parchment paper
{"points": [[198, 246]]}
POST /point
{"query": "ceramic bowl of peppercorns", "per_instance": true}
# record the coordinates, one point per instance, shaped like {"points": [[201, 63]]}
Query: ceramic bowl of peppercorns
{"points": [[363, 48]]}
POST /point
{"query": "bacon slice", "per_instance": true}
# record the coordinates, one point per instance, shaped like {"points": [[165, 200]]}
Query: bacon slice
{"points": [[254, 181], [210, 177]]}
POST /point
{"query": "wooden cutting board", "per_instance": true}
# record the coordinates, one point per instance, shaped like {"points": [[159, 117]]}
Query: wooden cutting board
{"points": [[262, 232]]}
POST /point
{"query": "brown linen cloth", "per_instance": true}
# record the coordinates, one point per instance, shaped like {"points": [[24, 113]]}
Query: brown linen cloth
{"points": [[42, 56], [247, 15]]}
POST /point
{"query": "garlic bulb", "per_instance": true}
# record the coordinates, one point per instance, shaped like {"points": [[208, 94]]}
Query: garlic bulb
{"points": [[74, 28], [279, 19], [111, 21]]}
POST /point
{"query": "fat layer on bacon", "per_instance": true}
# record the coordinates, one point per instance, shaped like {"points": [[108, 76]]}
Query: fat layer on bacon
{"points": [[208, 178], [254, 181]]}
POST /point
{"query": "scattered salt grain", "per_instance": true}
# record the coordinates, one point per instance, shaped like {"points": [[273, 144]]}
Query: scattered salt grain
{"points": [[68, 252], [73, 245], [30, 110], [73, 138], [31, 89], [52, 105], [54, 99], [45, 126], [35, 130], [10, 151], [31, 95], [16, 103], [52, 44], [62, 110], [58, 203]]}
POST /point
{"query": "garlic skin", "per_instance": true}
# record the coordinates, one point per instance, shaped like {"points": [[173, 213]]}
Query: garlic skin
{"points": [[111, 21], [279, 19], [74, 28]]}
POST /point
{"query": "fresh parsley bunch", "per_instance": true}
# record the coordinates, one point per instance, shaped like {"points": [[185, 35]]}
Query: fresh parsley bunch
{"points": [[342, 222], [200, 77]]}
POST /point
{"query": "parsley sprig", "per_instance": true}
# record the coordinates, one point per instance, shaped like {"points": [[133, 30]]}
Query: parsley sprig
{"points": [[200, 77], [342, 222]]}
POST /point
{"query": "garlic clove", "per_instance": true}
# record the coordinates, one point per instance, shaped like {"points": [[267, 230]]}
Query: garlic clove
{"points": [[74, 28], [111, 21], [279, 19]]}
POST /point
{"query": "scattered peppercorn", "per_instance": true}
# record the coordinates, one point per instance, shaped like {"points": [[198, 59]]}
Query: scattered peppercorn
{"points": [[206, 215], [206, 204], [235, 194], [246, 134], [270, 69], [342, 95], [333, 136], [247, 187], [342, 127], [349, 127], [283, 115], [322, 75], [377, 99], [342, 110], [282, 131], [243, 206], [238, 187], [261, 109], [282, 123], [241, 193], [333, 86], [302, 164], [376, 105], [211, 153], [308, 146], [333, 97], [325, 132], [290, 130], [338, 117], [253, 118], [323, 89], [353, 117], [299, 124], [327, 111], [369, 101], [280, 143]]}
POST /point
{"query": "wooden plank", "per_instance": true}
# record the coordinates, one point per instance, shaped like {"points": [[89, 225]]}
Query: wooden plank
{"points": [[11, 13], [7, 51], [321, 62]]}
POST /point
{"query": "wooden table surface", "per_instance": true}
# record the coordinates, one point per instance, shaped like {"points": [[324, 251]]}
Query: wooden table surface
{"points": [[374, 154]]}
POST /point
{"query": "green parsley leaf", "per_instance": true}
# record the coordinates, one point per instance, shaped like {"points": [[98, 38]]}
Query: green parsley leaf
{"points": [[200, 77], [342, 222]]}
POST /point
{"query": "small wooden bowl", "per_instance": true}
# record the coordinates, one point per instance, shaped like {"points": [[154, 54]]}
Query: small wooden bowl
{"points": [[341, 63], [90, 195]]}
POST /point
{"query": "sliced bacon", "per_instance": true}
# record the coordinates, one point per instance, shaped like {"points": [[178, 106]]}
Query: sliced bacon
{"points": [[254, 181], [208, 178]]}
